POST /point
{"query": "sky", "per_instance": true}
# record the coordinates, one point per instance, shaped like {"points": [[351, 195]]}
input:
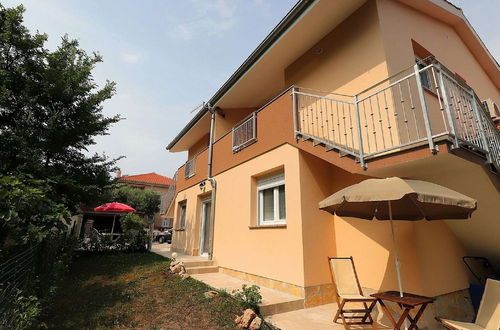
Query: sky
{"points": [[168, 56]]}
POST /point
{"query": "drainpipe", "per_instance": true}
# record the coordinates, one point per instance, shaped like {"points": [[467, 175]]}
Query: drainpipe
{"points": [[212, 181]]}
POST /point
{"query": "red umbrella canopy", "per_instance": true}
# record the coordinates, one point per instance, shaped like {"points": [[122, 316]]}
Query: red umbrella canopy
{"points": [[114, 207]]}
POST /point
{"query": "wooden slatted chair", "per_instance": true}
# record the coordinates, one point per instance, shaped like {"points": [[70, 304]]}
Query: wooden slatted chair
{"points": [[348, 291], [488, 315]]}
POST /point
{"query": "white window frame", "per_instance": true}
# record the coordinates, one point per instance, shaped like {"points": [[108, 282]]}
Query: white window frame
{"points": [[271, 182], [182, 219]]}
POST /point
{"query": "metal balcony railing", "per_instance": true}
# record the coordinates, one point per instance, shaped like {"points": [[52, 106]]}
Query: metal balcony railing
{"points": [[168, 197], [245, 133], [189, 168], [415, 106]]}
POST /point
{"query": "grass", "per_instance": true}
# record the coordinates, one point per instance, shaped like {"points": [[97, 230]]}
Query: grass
{"points": [[133, 291]]}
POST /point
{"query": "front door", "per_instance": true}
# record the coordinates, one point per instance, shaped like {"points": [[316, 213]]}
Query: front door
{"points": [[206, 229]]}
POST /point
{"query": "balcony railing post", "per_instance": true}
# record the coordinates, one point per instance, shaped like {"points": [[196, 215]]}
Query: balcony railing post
{"points": [[360, 135], [425, 111], [482, 130], [294, 113], [444, 94]]}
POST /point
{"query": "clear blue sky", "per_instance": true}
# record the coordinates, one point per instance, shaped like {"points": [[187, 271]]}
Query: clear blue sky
{"points": [[167, 56]]}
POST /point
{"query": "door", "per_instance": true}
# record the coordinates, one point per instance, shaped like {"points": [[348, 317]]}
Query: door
{"points": [[206, 227]]}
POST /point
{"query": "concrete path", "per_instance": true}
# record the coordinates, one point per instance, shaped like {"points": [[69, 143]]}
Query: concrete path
{"points": [[283, 310], [165, 250], [317, 318]]}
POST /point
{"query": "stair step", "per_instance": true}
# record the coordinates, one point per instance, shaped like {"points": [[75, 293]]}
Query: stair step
{"points": [[199, 263], [202, 269], [318, 143], [281, 307]]}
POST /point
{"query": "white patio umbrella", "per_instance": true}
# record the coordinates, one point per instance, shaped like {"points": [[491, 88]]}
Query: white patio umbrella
{"points": [[399, 199]]}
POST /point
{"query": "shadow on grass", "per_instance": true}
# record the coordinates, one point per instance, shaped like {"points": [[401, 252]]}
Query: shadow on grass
{"points": [[133, 291], [98, 284]]}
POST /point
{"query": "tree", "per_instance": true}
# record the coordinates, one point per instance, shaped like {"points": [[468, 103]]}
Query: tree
{"points": [[50, 112], [27, 212], [145, 201]]}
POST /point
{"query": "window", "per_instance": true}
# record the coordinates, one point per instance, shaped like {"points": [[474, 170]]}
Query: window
{"points": [[190, 167], [182, 215], [244, 134], [271, 200], [424, 75]]}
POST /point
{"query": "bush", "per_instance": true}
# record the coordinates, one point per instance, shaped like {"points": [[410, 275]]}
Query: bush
{"points": [[250, 295], [132, 221], [130, 241]]}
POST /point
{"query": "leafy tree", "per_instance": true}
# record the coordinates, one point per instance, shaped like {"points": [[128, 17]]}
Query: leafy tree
{"points": [[27, 212], [50, 112], [145, 201]]}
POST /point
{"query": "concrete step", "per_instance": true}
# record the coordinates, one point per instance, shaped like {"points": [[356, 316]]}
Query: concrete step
{"points": [[273, 301], [284, 306], [202, 269], [199, 263]]}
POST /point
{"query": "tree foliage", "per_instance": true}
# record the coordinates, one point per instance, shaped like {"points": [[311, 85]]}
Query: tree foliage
{"points": [[27, 211], [132, 221], [145, 201], [50, 112]]}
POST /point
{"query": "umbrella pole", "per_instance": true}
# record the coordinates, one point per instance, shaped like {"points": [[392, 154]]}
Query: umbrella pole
{"points": [[113, 226], [396, 253]]}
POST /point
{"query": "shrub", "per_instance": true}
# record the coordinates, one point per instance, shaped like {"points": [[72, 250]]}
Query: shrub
{"points": [[132, 221], [250, 295], [130, 241]]}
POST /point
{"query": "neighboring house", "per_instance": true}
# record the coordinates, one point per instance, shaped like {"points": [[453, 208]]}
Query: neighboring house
{"points": [[165, 186], [340, 91]]}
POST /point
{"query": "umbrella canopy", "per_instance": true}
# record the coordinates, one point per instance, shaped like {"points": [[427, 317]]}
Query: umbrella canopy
{"points": [[399, 199], [114, 207], [410, 200]]}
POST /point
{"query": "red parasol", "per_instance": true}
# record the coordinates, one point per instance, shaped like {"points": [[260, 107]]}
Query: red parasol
{"points": [[114, 207]]}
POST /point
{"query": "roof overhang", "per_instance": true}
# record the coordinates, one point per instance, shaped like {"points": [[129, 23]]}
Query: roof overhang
{"points": [[261, 76], [192, 132]]}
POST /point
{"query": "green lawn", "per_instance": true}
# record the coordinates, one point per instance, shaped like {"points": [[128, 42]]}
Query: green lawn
{"points": [[132, 291]]}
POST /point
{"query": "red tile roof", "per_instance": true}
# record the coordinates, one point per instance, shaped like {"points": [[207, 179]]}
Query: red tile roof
{"points": [[148, 178]]}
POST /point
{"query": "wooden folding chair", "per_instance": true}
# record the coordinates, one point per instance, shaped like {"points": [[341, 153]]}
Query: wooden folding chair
{"points": [[348, 291]]}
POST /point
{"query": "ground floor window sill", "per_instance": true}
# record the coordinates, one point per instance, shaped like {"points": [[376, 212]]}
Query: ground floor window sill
{"points": [[280, 226]]}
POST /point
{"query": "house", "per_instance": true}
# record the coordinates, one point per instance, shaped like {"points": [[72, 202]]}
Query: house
{"points": [[341, 91], [165, 186]]}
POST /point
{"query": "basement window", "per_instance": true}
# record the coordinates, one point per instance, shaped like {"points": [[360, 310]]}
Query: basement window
{"points": [[271, 200]]}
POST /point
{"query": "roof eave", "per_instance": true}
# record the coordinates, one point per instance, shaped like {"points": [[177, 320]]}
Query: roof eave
{"points": [[291, 17]]}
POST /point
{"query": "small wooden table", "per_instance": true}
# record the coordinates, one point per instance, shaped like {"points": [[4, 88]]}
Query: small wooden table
{"points": [[406, 303]]}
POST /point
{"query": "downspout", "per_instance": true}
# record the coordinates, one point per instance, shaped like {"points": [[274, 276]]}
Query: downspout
{"points": [[212, 181]]}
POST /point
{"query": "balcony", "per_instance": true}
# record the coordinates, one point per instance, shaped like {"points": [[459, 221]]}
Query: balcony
{"points": [[419, 106], [423, 106]]}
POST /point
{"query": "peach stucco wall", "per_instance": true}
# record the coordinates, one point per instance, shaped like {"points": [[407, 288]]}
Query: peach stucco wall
{"points": [[371, 44], [430, 253], [187, 240], [400, 23], [347, 60], [274, 252]]}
